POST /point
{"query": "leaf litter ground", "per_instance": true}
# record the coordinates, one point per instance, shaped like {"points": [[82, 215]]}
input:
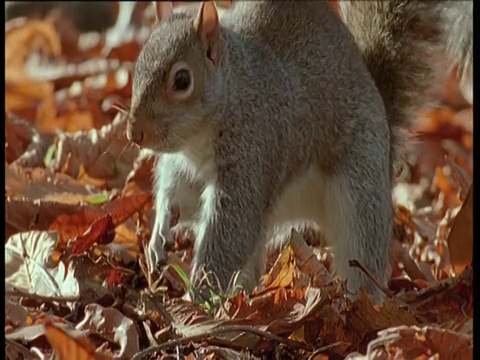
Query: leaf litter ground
{"points": [[79, 213]]}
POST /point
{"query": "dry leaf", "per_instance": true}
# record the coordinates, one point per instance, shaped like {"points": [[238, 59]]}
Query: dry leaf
{"points": [[42, 184], [307, 261], [113, 326], [102, 231], [28, 266], [70, 220], [415, 343], [365, 318], [281, 274], [21, 41], [76, 223], [67, 347], [460, 239]]}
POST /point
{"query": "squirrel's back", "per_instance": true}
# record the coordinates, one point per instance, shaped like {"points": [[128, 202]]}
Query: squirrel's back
{"points": [[305, 57], [401, 42]]}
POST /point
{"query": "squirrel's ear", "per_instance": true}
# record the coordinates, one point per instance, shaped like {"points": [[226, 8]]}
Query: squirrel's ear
{"points": [[163, 11], [207, 26]]}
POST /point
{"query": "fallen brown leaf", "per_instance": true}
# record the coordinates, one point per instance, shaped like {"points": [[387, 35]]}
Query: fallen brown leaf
{"points": [[67, 347], [69, 220], [409, 342], [22, 40], [460, 239], [113, 326], [76, 223], [102, 231], [45, 185]]}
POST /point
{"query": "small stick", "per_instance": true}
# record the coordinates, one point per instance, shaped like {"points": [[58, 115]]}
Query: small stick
{"points": [[223, 329], [356, 263], [44, 298]]}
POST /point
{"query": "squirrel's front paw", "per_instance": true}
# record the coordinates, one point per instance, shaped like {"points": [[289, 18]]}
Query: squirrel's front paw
{"points": [[183, 232]]}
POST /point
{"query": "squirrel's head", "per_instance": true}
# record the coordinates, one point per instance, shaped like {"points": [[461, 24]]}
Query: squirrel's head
{"points": [[176, 79]]}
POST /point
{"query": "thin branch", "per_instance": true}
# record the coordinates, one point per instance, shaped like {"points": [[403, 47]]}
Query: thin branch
{"points": [[222, 329], [356, 263], [43, 298], [325, 348]]}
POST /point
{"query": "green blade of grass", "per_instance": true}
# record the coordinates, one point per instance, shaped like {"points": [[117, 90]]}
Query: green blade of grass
{"points": [[184, 277], [98, 200], [49, 155]]}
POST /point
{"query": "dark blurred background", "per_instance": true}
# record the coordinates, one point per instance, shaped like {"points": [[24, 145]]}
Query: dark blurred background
{"points": [[87, 16]]}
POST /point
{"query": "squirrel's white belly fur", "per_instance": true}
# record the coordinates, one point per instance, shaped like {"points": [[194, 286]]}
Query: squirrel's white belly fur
{"points": [[300, 204], [182, 183], [310, 199]]}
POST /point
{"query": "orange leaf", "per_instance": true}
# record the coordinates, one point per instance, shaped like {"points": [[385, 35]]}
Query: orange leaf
{"points": [[460, 239], [102, 231], [68, 348], [74, 224]]}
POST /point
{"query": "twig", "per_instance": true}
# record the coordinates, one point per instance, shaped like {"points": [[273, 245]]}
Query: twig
{"points": [[21, 293], [325, 348], [170, 327], [223, 329], [356, 263], [167, 318]]}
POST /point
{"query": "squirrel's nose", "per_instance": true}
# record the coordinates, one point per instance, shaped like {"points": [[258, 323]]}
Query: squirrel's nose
{"points": [[135, 134]]}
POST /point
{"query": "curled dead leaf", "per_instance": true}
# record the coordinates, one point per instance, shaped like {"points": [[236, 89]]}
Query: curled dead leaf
{"points": [[365, 318], [30, 99], [282, 272], [102, 231], [113, 326], [307, 261], [462, 177]]}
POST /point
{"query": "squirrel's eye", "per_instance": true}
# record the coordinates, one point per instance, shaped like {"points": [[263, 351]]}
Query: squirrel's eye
{"points": [[181, 80]]}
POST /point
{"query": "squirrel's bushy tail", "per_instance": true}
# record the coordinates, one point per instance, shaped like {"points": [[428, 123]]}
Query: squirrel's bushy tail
{"points": [[458, 18], [402, 42]]}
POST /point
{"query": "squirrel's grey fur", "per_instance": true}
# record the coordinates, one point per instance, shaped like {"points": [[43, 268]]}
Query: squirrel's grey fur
{"points": [[295, 121]]}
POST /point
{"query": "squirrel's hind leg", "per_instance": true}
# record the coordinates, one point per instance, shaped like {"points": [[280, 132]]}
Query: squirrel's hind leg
{"points": [[358, 224], [229, 246]]}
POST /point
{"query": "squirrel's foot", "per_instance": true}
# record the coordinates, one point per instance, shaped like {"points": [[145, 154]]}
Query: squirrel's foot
{"points": [[161, 242], [183, 232]]}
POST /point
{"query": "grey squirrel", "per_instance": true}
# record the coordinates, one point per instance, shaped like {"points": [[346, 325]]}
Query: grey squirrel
{"points": [[272, 113]]}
